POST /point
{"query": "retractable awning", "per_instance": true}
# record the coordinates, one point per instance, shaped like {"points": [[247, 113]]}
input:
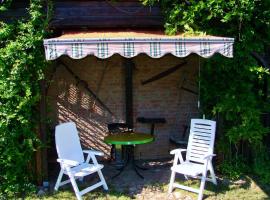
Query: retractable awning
{"points": [[104, 44]]}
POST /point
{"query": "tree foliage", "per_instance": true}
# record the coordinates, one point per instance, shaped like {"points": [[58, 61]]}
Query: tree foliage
{"points": [[232, 89], [21, 67]]}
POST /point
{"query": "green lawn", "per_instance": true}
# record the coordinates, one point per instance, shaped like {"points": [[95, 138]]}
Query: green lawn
{"points": [[246, 189]]}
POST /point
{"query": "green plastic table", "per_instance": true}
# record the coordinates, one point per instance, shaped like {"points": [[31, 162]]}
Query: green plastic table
{"points": [[129, 140]]}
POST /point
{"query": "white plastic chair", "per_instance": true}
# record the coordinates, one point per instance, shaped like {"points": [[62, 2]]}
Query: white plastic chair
{"points": [[72, 161], [199, 154]]}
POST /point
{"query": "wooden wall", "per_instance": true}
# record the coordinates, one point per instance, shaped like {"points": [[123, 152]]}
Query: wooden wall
{"points": [[81, 14], [104, 14]]}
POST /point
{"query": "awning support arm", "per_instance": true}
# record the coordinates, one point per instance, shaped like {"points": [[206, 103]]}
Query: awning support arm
{"points": [[164, 73]]}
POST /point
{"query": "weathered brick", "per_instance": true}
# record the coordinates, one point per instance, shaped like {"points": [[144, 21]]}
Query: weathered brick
{"points": [[69, 101]]}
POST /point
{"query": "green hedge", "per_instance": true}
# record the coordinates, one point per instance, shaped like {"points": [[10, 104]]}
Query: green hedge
{"points": [[232, 89], [22, 63]]}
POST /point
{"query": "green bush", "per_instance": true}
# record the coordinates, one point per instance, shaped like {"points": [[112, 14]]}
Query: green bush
{"points": [[22, 63], [234, 168], [261, 164], [231, 89]]}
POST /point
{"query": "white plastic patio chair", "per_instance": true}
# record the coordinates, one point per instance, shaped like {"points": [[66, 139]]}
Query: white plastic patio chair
{"points": [[199, 154], [72, 161]]}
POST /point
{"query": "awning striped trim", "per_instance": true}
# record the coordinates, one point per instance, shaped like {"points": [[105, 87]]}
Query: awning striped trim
{"points": [[129, 47]]}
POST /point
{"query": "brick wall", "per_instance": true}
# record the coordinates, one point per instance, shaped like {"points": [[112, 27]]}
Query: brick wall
{"points": [[69, 100]]}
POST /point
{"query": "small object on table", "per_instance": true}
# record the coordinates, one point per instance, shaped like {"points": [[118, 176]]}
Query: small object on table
{"points": [[151, 121], [129, 140]]}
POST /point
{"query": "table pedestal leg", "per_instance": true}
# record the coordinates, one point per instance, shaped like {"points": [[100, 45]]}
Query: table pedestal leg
{"points": [[134, 166], [121, 169], [129, 152], [142, 168]]}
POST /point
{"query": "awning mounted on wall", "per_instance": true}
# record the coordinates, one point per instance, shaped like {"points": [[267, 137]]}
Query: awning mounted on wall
{"points": [[131, 43]]}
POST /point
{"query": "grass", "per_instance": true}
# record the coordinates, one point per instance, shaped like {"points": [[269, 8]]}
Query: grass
{"points": [[245, 189], [70, 195]]}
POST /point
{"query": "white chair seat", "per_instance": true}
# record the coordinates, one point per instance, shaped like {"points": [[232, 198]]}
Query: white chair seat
{"points": [[85, 169], [188, 168]]}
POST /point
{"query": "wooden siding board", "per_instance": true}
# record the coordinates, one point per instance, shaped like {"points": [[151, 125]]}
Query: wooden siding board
{"points": [[103, 11], [94, 14], [99, 22]]}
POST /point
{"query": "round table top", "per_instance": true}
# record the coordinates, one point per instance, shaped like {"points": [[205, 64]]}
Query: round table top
{"points": [[128, 138]]}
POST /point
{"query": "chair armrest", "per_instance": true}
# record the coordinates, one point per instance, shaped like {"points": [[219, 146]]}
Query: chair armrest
{"points": [[176, 151], [68, 162], [94, 152], [209, 156], [178, 155]]}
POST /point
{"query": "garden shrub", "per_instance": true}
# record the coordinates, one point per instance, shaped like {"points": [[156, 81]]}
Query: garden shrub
{"points": [[22, 63], [232, 89]]}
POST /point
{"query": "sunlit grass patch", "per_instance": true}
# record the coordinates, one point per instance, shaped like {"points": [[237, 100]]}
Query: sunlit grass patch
{"points": [[97, 195], [246, 189]]}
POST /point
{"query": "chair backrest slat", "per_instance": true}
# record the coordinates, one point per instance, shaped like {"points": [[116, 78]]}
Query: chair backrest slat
{"points": [[67, 141], [201, 139]]}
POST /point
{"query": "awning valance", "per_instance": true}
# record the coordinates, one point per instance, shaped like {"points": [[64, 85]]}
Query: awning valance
{"points": [[129, 44]]}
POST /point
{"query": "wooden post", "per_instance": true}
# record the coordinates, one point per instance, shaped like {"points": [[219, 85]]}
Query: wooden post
{"points": [[41, 156], [128, 64], [38, 164]]}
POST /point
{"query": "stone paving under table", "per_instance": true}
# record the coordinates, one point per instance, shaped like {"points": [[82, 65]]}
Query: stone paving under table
{"points": [[151, 187]]}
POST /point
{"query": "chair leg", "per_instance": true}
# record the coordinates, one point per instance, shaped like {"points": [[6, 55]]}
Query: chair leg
{"points": [[74, 185], [171, 181], [59, 179], [105, 187], [202, 187], [212, 173]]}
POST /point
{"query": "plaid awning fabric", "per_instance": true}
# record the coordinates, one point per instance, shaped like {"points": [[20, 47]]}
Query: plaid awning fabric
{"points": [[128, 45]]}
